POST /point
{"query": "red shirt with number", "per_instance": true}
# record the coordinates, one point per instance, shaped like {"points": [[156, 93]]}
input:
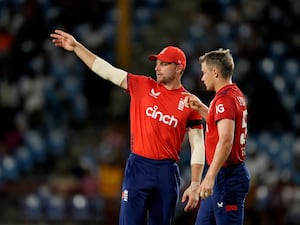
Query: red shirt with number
{"points": [[228, 103]]}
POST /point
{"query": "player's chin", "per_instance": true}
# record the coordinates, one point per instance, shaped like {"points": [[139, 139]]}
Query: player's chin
{"points": [[208, 88], [160, 80]]}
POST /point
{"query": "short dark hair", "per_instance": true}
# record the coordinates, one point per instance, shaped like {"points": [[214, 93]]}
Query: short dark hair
{"points": [[220, 58]]}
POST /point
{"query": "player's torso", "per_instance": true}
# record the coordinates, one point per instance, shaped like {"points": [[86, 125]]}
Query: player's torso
{"points": [[158, 119], [232, 104]]}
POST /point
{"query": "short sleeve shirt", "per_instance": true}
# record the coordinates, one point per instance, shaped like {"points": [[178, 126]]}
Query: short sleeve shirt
{"points": [[158, 118], [228, 103]]}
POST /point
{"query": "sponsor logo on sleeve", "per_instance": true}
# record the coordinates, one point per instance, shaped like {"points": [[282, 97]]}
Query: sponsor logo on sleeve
{"points": [[220, 108]]}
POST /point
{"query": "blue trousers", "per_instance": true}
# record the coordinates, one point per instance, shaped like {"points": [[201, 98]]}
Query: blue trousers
{"points": [[226, 205], [150, 191]]}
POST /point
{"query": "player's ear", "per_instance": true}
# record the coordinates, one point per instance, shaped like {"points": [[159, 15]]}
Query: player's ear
{"points": [[215, 71], [179, 68]]}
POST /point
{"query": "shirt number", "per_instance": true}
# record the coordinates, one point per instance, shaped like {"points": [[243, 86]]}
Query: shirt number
{"points": [[244, 126]]}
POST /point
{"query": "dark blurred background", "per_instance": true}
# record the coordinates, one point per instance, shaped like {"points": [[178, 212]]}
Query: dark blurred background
{"points": [[64, 132]]}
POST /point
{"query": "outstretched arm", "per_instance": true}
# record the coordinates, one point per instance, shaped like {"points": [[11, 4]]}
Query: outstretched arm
{"points": [[95, 63]]}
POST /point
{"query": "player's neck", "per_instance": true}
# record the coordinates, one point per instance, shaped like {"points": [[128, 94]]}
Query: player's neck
{"points": [[222, 84], [172, 85]]}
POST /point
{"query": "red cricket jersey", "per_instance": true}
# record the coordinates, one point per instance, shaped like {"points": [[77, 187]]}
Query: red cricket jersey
{"points": [[228, 103], [158, 118]]}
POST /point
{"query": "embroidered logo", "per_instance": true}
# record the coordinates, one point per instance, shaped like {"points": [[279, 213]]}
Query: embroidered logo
{"points": [[180, 104], [153, 93], [125, 195], [220, 204]]}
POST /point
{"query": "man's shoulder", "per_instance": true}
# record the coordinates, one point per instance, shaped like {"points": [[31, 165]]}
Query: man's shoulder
{"points": [[141, 77]]}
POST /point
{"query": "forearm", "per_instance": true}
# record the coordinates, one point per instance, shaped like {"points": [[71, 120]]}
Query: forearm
{"points": [[85, 55], [196, 139], [196, 172], [100, 66], [223, 148], [221, 155]]}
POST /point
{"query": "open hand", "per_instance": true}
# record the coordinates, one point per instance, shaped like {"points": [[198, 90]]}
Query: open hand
{"points": [[192, 196], [64, 40]]}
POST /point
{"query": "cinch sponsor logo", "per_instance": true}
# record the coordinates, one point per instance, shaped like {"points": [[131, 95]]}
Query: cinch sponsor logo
{"points": [[154, 113]]}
